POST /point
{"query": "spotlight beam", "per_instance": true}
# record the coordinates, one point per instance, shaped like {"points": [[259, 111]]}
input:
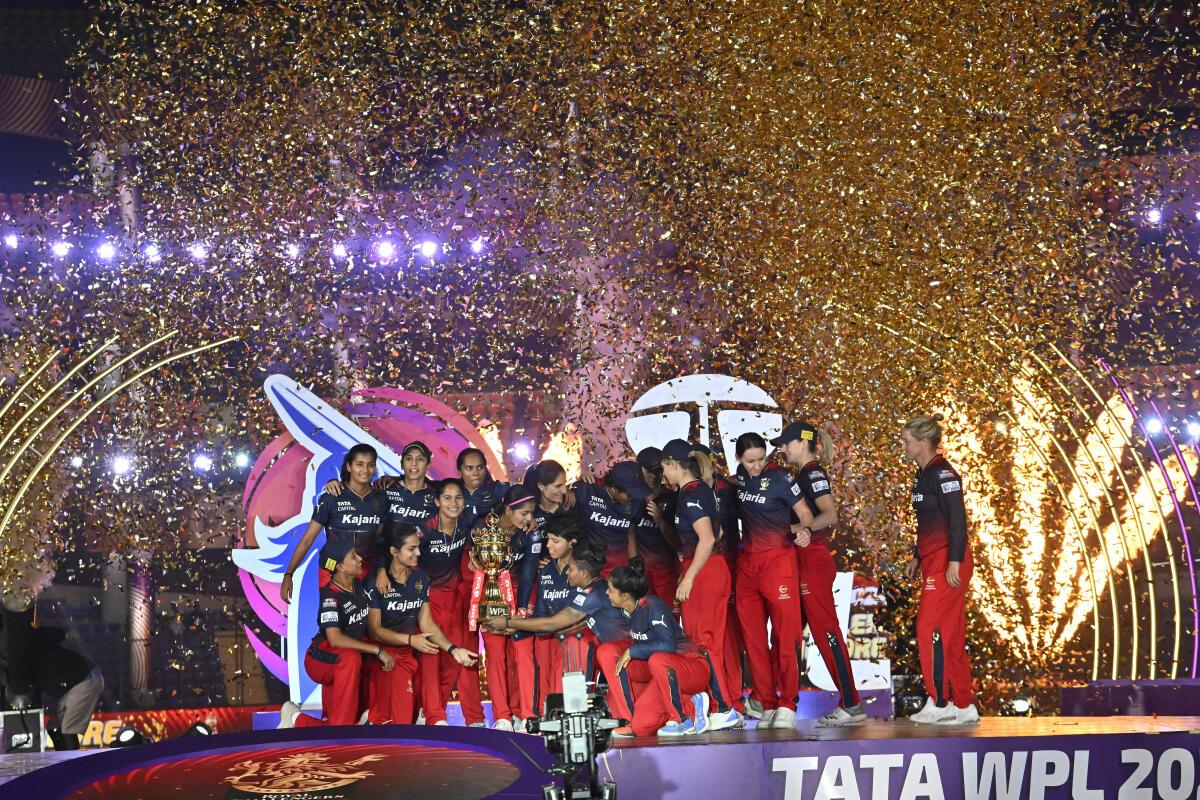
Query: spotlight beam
{"points": [[62, 437]]}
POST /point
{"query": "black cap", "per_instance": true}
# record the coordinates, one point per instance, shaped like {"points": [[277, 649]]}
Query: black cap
{"points": [[627, 475], [649, 458], [703, 448], [335, 550], [678, 450], [424, 448], [796, 430]]}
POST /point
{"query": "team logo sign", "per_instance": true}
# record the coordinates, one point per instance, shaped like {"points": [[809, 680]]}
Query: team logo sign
{"points": [[717, 409], [286, 481], [302, 773]]}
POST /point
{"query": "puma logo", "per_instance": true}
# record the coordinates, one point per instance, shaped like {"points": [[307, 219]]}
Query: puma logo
{"points": [[654, 622]]}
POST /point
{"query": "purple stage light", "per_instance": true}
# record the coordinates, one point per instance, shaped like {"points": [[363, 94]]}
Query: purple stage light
{"points": [[1154, 426], [385, 250], [60, 249], [1193, 429], [292, 250], [202, 462], [198, 251], [1154, 216], [429, 248], [152, 253], [339, 250], [477, 244], [121, 465], [523, 451], [106, 251], [11, 240]]}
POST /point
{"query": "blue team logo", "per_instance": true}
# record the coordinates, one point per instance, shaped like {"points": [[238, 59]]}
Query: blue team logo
{"points": [[286, 481]]}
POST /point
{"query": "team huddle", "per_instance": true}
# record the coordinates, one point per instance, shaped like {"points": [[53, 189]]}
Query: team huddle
{"points": [[659, 577]]}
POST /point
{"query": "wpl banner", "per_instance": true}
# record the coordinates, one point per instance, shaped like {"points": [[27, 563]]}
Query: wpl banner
{"points": [[1129, 766]]}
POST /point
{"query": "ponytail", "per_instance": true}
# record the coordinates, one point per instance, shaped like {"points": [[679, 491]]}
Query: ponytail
{"points": [[631, 579], [827, 451], [701, 465]]}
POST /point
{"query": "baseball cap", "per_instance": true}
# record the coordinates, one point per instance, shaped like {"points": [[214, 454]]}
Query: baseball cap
{"points": [[796, 430], [649, 458], [335, 551], [678, 450], [418, 445], [627, 475]]}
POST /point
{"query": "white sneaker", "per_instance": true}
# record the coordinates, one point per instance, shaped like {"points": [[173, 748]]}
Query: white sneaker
{"points": [[440, 722], [764, 722], [287, 715], [963, 716], [784, 719], [420, 717], [503, 725], [754, 709], [518, 725], [931, 714], [723, 722], [363, 719], [842, 716], [478, 724]]}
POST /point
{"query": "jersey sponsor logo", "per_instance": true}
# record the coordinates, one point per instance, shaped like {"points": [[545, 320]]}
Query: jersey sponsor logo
{"points": [[659, 621], [946, 473], [795, 491], [555, 594], [357, 616], [750, 497], [328, 616], [360, 519], [783, 592], [639, 637], [445, 548], [820, 486], [404, 605], [608, 521], [405, 512], [918, 497], [579, 600], [536, 548], [949, 487], [597, 501], [329, 602], [691, 504]]}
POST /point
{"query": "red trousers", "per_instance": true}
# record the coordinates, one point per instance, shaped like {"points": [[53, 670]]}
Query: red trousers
{"points": [[817, 572], [704, 621], [548, 665], [653, 692], [663, 576], [343, 695], [439, 671], [503, 653], [391, 693], [768, 587], [734, 643], [942, 631]]}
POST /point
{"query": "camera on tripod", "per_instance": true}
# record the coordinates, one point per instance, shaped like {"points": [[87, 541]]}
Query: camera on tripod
{"points": [[576, 727]]}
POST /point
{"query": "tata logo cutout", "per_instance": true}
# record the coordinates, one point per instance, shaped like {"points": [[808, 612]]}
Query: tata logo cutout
{"points": [[286, 481], [717, 407]]}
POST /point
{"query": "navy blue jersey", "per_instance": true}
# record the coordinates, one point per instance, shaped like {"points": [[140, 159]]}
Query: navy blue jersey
{"points": [[351, 518], [442, 554], [653, 547], [765, 508], [813, 481], [605, 519], [486, 498], [405, 505], [696, 502], [346, 611], [553, 592], [727, 512], [400, 606], [653, 629], [937, 499], [606, 622]]}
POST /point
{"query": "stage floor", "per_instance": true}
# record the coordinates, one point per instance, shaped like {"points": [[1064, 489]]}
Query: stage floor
{"points": [[1102, 753], [902, 729]]}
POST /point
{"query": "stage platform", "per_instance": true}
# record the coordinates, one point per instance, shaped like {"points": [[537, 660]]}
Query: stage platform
{"points": [[1082, 758]]}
